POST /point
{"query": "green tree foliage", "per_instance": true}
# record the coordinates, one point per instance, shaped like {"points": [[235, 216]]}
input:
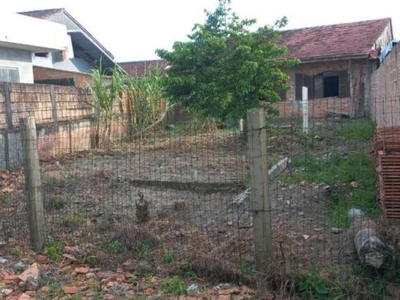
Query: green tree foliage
{"points": [[105, 97], [148, 107], [226, 67]]}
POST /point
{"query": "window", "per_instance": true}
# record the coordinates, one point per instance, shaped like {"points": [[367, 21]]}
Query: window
{"points": [[323, 85], [42, 54], [9, 74]]}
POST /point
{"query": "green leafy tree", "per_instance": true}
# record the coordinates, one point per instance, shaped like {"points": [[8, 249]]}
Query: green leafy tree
{"points": [[226, 67]]}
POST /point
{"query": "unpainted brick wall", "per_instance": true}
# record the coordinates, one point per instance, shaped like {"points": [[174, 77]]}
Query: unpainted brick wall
{"points": [[63, 116], [320, 107], [317, 108], [80, 79], [385, 91]]}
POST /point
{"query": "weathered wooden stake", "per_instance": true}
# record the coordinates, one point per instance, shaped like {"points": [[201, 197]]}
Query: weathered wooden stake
{"points": [[33, 183], [260, 203]]}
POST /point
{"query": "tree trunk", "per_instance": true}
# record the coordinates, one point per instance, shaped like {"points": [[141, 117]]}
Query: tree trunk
{"points": [[371, 249]]}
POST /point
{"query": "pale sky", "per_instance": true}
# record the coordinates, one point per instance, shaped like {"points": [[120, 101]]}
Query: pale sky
{"points": [[133, 30]]}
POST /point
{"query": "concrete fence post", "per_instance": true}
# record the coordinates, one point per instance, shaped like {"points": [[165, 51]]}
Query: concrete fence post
{"points": [[33, 183], [260, 203]]}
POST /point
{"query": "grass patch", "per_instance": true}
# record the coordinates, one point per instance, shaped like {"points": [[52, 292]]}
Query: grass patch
{"points": [[55, 202], [356, 129], [351, 177], [5, 197], [168, 257], [74, 221], [115, 247], [311, 285], [16, 252], [174, 286], [187, 270], [54, 250]]}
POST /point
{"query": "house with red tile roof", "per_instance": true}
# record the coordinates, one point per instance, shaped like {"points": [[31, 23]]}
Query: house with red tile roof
{"points": [[337, 62]]}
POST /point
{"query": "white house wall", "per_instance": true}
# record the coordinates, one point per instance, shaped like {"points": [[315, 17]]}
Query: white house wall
{"points": [[384, 38], [32, 34], [21, 59]]}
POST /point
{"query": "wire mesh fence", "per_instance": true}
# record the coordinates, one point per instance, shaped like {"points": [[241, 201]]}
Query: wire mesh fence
{"points": [[171, 189], [177, 198]]}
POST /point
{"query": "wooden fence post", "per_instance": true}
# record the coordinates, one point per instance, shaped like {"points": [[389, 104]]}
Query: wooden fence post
{"points": [[33, 183], [260, 204]]}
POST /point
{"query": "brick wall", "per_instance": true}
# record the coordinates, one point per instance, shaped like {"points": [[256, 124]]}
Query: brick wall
{"points": [[317, 108], [385, 91], [63, 116], [80, 79], [353, 105]]}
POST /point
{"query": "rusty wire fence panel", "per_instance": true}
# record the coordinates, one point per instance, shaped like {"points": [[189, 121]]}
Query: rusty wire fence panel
{"points": [[188, 175]]}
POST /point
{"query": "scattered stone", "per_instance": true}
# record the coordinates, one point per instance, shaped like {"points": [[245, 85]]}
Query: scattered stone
{"points": [[3, 261], [129, 265], [337, 230], [31, 283], [222, 286], [24, 297], [20, 266], [193, 289], [104, 275], [41, 259], [144, 266], [90, 275], [10, 278], [179, 233], [70, 290], [82, 270], [32, 270], [6, 292], [354, 184]]}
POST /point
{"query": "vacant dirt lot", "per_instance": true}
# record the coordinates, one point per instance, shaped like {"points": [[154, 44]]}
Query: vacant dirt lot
{"points": [[189, 182]]}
